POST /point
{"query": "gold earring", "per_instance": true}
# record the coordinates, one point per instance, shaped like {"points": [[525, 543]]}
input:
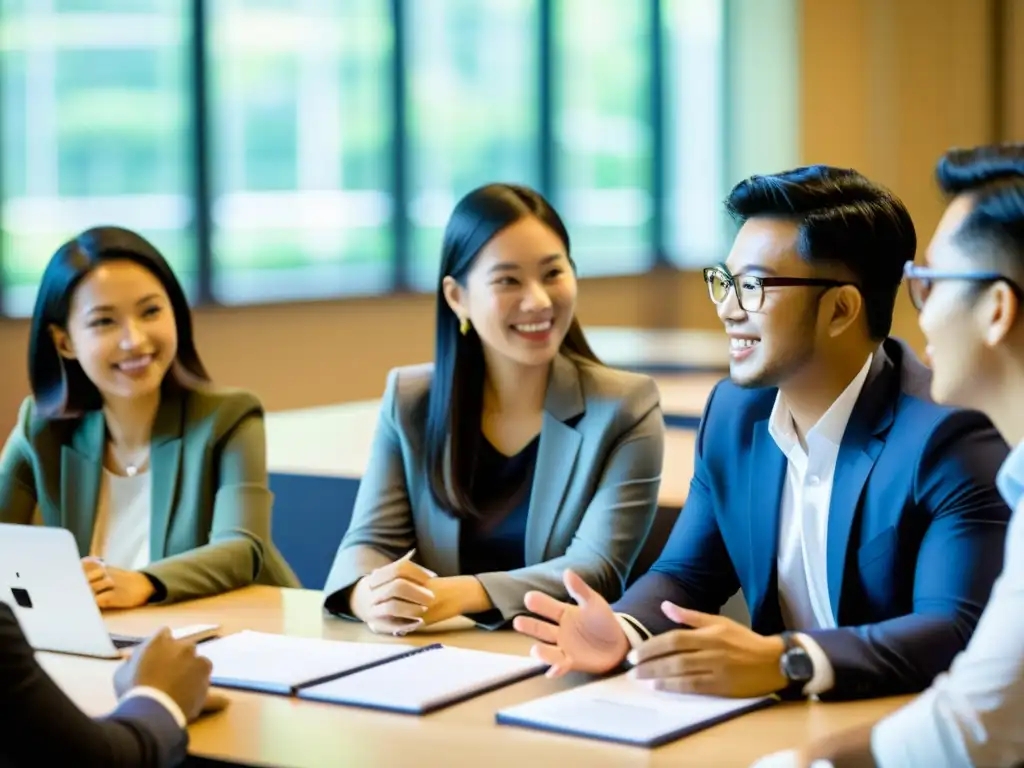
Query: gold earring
{"points": [[464, 326]]}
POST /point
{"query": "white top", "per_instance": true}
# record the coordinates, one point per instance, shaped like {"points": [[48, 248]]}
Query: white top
{"points": [[120, 536], [972, 714], [803, 524]]}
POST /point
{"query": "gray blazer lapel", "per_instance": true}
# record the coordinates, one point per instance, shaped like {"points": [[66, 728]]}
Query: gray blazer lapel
{"points": [[165, 465], [81, 465], [556, 456], [439, 550]]}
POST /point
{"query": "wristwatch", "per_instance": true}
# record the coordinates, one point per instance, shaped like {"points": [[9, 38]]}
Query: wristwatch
{"points": [[795, 664]]}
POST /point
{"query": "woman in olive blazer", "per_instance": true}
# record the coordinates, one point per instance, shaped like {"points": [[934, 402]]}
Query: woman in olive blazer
{"points": [[120, 396], [516, 437]]}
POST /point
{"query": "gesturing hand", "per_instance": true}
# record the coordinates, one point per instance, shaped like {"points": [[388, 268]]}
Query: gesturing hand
{"points": [[584, 637], [394, 598], [719, 657], [115, 587]]}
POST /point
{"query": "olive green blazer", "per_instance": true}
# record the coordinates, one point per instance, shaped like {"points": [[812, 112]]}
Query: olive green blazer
{"points": [[210, 526]]}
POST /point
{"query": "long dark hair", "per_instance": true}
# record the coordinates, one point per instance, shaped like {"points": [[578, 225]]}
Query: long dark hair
{"points": [[60, 387], [455, 405]]}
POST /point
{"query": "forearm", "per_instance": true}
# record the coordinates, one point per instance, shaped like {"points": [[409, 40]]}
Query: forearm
{"points": [[46, 728], [642, 601], [212, 569], [893, 657], [506, 590], [462, 595]]}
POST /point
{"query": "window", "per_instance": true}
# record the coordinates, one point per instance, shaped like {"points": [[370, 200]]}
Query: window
{"points": [[322, 147], [694, 89], [473, 110], [603, 132], [95, 126], [302, 136]]}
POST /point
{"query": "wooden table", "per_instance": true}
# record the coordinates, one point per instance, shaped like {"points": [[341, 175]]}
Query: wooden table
{"points": [[276, 731]]}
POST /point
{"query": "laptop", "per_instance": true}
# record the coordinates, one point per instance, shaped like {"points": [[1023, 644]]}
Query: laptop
{"points": [[42, 580]]}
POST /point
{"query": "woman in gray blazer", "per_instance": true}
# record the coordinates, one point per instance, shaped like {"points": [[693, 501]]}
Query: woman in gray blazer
{"points": [[515, 455]]}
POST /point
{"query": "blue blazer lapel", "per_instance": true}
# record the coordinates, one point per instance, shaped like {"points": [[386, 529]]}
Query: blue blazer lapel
{"points": [[556, 456], [862, 443], [768, 473]]}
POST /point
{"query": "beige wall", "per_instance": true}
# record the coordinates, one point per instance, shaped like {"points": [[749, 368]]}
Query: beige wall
{"points": [[884, 86]]}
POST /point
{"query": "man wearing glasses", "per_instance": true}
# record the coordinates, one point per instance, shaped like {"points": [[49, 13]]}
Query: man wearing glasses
{"points": [[970, 302], [860, 519]]}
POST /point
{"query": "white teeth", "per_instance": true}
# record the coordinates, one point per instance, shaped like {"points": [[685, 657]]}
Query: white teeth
{"points": [[136, 363], [534, 327], [743, 343]]}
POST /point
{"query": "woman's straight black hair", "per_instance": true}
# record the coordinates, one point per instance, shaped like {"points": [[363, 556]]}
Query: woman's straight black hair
{"points": [[60, 387], [455, 405]]}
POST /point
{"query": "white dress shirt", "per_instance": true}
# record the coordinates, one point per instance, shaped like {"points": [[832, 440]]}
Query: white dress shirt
{"points": [[120, 535], [973, 714], [970, 715], [803, 525], [161, 698]]}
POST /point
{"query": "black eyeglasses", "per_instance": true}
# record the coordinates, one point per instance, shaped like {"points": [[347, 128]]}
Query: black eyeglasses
{"points": [[750, 289], [921, 280]]}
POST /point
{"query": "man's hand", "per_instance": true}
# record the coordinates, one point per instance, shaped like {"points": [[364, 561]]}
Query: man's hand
{"points": [[394, 598], [173, 667], [584, 637], [718, 657], [115, 587], [846, 749]]}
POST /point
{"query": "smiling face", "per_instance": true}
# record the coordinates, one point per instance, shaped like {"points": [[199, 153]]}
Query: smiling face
{"points": [[120, 330], [775, 341], [520, 294], [962, 321]]}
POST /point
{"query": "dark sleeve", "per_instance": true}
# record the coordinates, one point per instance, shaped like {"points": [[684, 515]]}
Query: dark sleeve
{"points": [[960, 557], [42, 726], [694, 569]]}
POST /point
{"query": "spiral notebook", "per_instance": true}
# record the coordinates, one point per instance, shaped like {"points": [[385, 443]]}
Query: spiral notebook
{"points": [[436, 676], [258, 661], [398, 677], [627, 711]]}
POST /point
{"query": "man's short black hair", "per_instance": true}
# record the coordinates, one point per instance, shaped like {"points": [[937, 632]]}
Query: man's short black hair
{"points": [[994, 177], [844, 219]]}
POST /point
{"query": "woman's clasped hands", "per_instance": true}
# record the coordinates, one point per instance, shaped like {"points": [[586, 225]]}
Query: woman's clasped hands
{"points": [[395, 598]]}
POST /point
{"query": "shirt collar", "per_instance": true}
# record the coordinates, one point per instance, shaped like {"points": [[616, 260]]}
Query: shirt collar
{"points": [[830, 427], [1010, 479]]}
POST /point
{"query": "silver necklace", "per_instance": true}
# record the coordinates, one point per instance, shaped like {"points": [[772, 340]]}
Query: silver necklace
{"points": [[131, 469]]}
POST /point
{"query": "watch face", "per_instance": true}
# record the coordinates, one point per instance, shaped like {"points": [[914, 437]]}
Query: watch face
{"points": [[796, 665]]}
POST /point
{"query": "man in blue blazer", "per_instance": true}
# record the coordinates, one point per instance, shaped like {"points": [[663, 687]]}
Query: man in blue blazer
{"points": [[860, 519]]}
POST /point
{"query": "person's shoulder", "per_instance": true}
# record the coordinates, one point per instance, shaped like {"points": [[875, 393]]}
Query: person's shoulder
{"points": [[744, 404], [408, 385], [622, 389], [38, 429], [916, 410], [222, 407]]}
